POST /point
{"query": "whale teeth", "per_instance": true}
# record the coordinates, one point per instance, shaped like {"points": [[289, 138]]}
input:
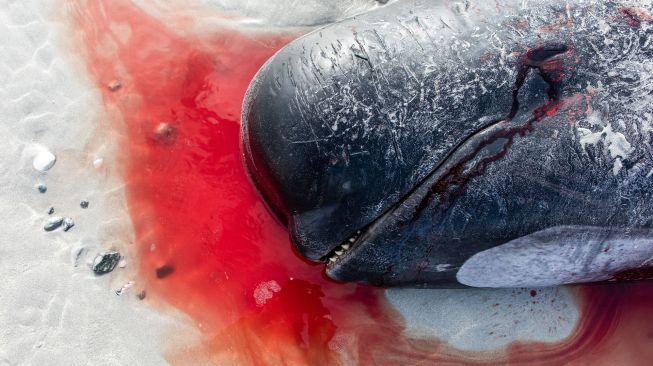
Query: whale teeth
{"points": [[343, 248], [338, 252]]}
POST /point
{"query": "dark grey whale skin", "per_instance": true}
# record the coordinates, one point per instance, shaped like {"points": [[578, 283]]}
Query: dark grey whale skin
{"points": [[441, 129]]}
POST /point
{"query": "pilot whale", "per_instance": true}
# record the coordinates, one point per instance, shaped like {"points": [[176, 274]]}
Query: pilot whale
{"points": [[463, 143]]}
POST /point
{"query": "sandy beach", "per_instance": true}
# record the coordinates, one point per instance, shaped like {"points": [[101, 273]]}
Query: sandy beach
{"points": [[93, 163]]}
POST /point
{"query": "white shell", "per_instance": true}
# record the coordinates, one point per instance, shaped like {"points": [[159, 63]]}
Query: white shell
{"points": [[44, 160]]}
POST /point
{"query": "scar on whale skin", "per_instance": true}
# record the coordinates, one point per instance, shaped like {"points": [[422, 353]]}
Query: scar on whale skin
{"points": [[551, 69]]}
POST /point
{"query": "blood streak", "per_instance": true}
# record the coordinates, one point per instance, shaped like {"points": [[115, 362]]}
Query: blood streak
{"points": [[207, 245], [634, 17]]}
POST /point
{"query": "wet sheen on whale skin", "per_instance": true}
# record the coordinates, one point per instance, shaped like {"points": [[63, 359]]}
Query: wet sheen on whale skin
{"points": [[397, 144]]}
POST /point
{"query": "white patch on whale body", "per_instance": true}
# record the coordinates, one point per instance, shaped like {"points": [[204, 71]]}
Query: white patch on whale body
{"points": [[557, 256], [615, 142]]}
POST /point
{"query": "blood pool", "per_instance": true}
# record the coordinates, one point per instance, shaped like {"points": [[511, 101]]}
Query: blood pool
{"points": [[207, 244]]}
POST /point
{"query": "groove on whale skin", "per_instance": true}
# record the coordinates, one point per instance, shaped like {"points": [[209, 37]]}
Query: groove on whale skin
{"points": [[458, 175], [549, 69]]}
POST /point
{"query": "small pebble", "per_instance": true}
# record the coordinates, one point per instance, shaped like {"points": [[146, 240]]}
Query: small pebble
{"points": [[141, 295], [53, 223], [164, 271], [122, 263], [98, 162], [164, 132], [114, 85], [105, 262], [50, 210], [83, 204], [44, 160], [42, 188], [78, 254], [68, 223]]}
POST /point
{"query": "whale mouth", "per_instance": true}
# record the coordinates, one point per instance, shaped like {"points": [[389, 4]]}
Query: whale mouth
{"points": [[341, 250]]}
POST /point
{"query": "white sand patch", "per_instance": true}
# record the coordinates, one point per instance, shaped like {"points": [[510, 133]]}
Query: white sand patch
{"points": [[481, 319], [53, 309]]}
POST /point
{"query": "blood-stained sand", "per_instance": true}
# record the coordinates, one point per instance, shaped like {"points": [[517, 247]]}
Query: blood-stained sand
{"points": [[207, 245]]}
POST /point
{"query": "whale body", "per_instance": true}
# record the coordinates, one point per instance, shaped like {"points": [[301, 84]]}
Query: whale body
{"points": [[475, 143]]}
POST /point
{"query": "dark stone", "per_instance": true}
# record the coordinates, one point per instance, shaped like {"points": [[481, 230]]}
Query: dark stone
{"points": [[42, 188], [53, 224], [105, 262], [83, 204], [164, 271], [80, 252]]}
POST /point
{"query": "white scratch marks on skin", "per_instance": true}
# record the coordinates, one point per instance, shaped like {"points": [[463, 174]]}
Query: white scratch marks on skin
{"points": [[444, 22], [568, 11]]}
